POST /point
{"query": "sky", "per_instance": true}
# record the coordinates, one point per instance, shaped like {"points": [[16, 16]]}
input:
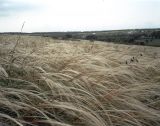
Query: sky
{"points": [[78, 15]]}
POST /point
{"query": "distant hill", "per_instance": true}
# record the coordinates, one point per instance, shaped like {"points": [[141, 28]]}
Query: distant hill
{"points": [[149, 37]]}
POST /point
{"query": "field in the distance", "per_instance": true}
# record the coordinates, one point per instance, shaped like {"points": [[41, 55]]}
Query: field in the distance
{"points": [[46, 82]]}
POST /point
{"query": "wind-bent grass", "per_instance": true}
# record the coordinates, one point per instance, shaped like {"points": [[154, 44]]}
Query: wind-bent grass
{"points": [[63, 83]]}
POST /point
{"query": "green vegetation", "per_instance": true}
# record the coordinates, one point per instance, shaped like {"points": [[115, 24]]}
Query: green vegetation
{"points": [[148, 37]]}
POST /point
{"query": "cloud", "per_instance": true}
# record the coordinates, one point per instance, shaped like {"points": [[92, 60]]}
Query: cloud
{"points": [[65, 15], [9, 7]]}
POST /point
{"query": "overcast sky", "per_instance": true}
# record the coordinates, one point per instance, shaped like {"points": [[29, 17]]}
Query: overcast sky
{"points": [[78, 15]]}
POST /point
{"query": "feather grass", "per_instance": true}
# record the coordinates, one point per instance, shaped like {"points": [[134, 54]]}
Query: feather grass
{"points": [[65, 83]]}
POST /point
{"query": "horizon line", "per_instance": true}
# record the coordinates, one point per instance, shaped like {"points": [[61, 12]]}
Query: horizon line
{"points": [[125, 29]]}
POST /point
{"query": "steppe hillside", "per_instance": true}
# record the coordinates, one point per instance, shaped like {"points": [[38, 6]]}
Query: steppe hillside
{"points": [[47, 82]]}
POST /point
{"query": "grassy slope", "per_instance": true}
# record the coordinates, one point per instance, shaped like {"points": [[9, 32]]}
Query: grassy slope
{"points": [[59, 83]]}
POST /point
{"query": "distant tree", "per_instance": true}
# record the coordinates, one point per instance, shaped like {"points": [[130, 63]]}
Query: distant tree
{"points": [[146, 40], [142, 43], [131, 40], [155, 34], [68, 36], [91, 37]]}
